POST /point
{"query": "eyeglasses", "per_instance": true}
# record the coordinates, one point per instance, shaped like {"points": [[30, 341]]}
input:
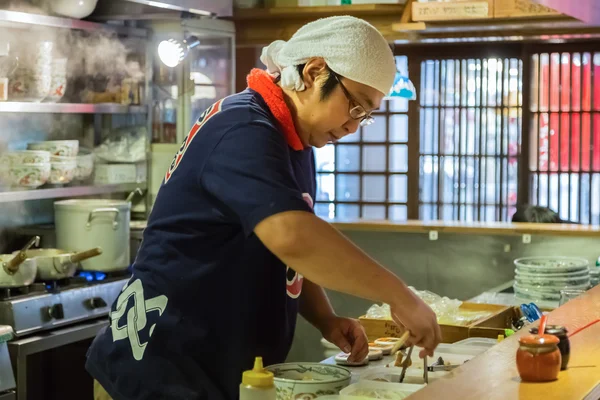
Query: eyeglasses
{"points": [[356, 110]]}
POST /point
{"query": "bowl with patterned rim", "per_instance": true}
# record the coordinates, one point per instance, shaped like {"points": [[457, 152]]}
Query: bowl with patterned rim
{"points": [[307, 381]]}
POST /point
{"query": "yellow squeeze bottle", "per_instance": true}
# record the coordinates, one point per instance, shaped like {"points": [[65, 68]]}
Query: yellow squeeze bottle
{"points": [[258, 383]]}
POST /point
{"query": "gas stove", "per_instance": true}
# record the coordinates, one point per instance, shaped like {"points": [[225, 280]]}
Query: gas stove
{"points": [[48, 305]]}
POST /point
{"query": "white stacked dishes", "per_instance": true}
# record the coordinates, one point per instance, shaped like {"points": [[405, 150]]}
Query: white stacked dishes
{"points": [[595, 275], [542, 278]]}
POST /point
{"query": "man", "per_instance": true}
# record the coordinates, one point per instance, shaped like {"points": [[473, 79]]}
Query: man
{"points": [[233, 250]]}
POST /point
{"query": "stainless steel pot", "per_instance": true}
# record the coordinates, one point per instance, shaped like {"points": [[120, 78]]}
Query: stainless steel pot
{"points": [[18, 270], [53, 264], [84, 223]]}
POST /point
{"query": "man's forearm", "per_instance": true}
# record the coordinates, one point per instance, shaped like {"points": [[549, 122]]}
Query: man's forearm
{"points": [[318, 251], [314, 305]]}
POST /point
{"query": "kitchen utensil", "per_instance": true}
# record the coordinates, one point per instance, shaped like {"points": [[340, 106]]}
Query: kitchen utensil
{"points": [[542, 326], [28, 176], [401, 342], [538, 358], [85, 164], [531, 312], [570, 294], [69, 148], [82, 224], [131, 196], [425, 371], [17, 270], [550, 265], [73, 8], [12, 266], [25, 157], [62, 172], [308, 380], [564, 345], [406, 363], [53, 264]]}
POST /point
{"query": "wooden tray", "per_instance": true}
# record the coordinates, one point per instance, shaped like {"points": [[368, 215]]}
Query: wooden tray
{"points": [[378, 328]]}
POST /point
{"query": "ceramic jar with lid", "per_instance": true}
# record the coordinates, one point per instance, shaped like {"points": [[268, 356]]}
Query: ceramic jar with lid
{"points": [[564, 345], [538, 358]]}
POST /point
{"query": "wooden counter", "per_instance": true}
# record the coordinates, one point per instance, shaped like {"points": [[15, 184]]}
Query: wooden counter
{"points": [[493, 375], [476, 228]]}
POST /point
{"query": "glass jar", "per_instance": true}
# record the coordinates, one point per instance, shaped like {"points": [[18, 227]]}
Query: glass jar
{"points": [[538, 358], [564, 345]]}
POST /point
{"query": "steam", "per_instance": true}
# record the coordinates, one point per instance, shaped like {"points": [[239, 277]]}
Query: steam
{"points": [[97, 61]]}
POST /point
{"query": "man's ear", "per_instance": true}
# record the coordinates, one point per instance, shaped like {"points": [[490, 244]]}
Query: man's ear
{"points": [[314, 70]]}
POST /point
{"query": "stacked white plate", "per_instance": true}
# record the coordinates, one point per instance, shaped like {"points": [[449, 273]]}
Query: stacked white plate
{"points": [[595, 275], [542, 278]]}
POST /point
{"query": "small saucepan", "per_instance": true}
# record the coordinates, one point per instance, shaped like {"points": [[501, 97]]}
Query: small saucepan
{"points": [[53, 264], [18, 270]]}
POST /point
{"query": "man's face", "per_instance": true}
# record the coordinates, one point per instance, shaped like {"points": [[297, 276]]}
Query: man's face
{"points": [[320, 121]]}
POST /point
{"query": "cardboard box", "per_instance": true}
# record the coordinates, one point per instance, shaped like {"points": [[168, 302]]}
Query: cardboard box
{"points": [[452, 11], [377, 328], [521, 8]]}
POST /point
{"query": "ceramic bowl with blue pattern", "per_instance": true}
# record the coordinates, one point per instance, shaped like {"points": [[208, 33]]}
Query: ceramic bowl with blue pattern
{"points": [[308, 381]]}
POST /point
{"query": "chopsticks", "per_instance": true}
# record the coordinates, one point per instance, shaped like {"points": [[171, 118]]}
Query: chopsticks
{"points": [[400, 342]]}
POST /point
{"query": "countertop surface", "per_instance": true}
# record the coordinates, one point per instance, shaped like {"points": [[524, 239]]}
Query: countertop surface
{"points": [[488, 228], [493, 374]]}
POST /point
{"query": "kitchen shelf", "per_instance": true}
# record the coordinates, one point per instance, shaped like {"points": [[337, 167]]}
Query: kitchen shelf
{"points": [[69, 191], [357, 10], [258, 27], [16, 19], [71, 108]]}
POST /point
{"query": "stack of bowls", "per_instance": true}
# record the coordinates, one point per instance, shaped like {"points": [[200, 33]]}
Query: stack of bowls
{"points": [[85, 164], [595, 274], [32, 79], [27, 169], [63, 159], [542, 278], [59, 80]]}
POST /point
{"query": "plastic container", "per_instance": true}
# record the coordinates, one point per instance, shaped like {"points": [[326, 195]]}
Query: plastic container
{"points": [[477, 342], [413, 375], [258, 383], [371, 389]]}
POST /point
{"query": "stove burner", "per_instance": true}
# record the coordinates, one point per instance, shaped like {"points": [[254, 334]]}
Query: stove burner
{"points": [[82, 279], [92, 276]]}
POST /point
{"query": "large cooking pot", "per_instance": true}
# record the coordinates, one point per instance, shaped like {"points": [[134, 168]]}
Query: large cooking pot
{"points": [[16, 269], [53, 264], [83, 224]]}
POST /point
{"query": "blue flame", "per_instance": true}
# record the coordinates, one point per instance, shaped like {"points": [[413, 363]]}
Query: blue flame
{"points": [[92, 276]]}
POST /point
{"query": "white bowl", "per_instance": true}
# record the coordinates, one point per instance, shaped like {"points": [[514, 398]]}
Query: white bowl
{"points": [[28, 176], [292, 380], [25, 157], [62, 172], [57, 147], [73, 8], [85, 164]]}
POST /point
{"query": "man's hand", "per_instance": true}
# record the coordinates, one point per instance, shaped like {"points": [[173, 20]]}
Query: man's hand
{"points": [[348, 335], [421, 321]]}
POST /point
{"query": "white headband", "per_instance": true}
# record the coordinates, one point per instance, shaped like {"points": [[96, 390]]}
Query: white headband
{"points": [[351, 47]]}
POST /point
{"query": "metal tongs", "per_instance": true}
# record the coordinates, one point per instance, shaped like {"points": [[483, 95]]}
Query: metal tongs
{"points": [[406, 362], [439, 365]]}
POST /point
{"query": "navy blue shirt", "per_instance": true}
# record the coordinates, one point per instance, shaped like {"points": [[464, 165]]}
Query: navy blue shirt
{"points": [[206, 296]]}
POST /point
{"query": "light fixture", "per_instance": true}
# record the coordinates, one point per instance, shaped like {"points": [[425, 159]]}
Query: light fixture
{"points": [[173, 51]]}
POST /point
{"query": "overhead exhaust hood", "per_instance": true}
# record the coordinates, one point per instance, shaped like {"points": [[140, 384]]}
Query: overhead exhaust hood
{"points": [[160, 9]]}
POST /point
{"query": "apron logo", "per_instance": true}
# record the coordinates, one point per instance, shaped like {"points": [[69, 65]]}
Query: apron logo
{"points": [[136, 316], [204, 118]]}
